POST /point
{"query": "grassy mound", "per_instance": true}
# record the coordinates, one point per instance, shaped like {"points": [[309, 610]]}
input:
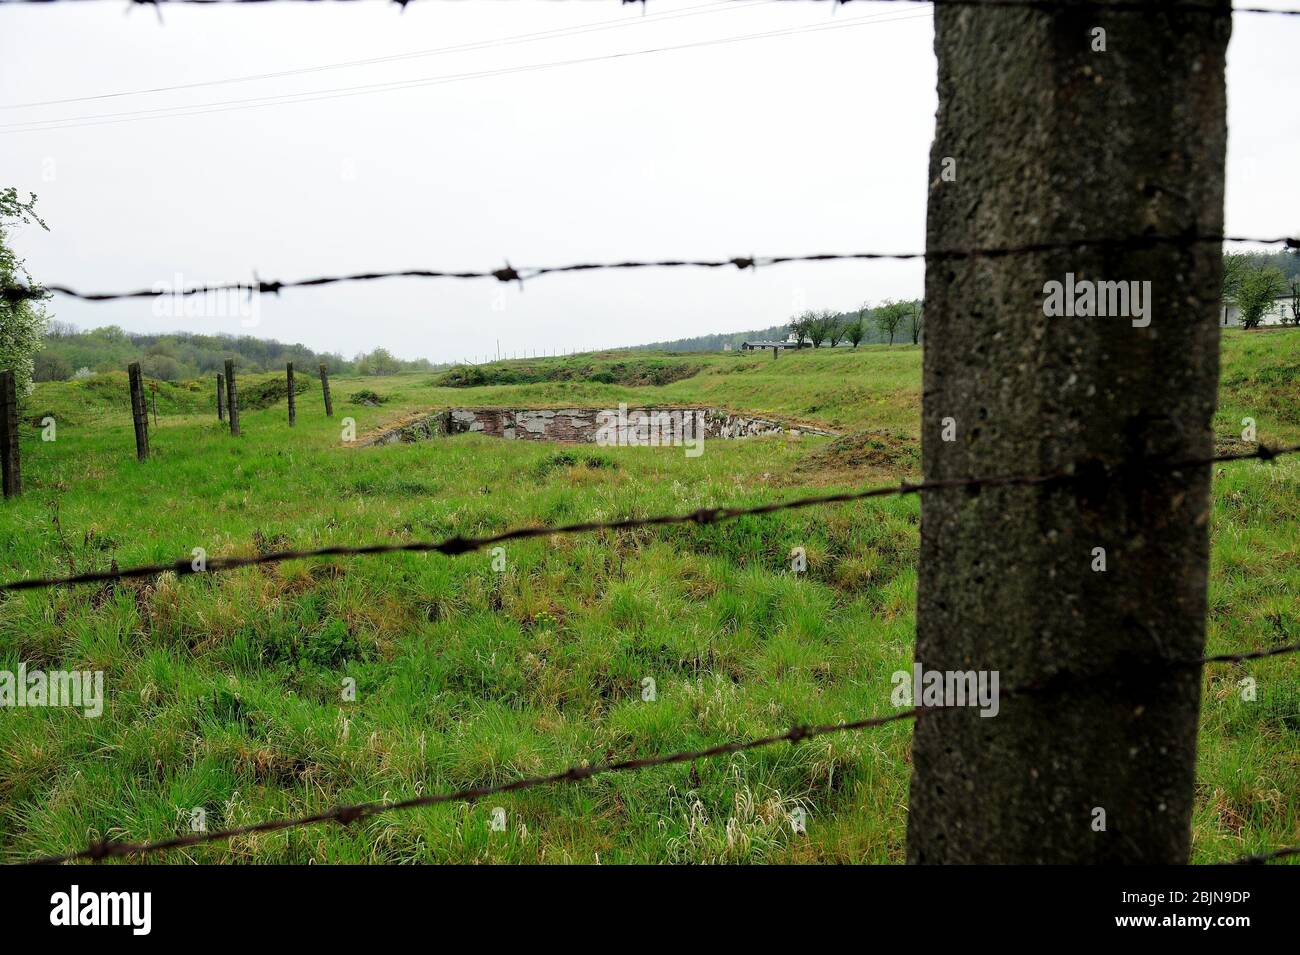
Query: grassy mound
{"points": [[631, 372]]}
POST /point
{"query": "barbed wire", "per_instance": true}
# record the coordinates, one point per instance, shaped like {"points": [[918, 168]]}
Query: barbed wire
{"points": [[352, 813], [17, 292], [1120, 6], [456, 545], [1266, 856], [1253, 655], [347, 814]]}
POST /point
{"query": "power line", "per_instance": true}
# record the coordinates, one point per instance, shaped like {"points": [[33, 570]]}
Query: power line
{"points": [[717, 6], [312, 96], [456, 545], [15, 292]]}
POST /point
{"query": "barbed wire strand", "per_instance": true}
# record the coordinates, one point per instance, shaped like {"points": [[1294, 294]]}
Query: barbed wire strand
{"points": [[1264, 857], [18, 292], [456, 545], [1119, 6], [347, 814]]}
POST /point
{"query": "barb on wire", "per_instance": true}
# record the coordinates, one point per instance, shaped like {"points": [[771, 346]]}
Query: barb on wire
{"points": [[1254, 655], [17, 292], [347, 814], [453, 546]]}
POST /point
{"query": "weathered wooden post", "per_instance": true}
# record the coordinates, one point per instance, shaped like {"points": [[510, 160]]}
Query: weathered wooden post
{"points": [[139, 411], [232, 397], [221, 397], [153, 397], [325, 387], [293, 411], [9, 460], [775, 352], [1089, 594]]}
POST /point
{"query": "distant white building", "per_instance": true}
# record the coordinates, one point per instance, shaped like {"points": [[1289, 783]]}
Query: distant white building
{"points": [[1278, 313]]}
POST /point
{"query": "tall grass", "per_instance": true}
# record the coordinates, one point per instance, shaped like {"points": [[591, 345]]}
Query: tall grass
{"points": [[227, 692]]}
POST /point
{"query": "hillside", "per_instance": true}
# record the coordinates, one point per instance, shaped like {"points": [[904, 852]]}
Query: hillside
{"points": [[719, 341], [180, 355]]}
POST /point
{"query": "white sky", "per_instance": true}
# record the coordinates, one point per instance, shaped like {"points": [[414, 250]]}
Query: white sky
{"points": [[808, 142]]}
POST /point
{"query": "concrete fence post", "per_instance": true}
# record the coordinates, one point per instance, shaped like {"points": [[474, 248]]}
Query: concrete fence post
{"points": [[1094, 589]]}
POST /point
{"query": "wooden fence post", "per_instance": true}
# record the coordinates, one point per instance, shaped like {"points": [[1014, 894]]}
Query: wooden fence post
{"points": [[325, 387], [232, 397], [139, 411], [293, 410], [9, 461], [153, 397], [1089, 594], [221, 397]]}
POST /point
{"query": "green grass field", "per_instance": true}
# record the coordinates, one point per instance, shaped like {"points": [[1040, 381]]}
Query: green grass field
{"points": [[224, 692]]}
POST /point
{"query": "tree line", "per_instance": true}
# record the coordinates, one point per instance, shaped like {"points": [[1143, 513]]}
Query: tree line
{"points": [[716, 342], [889, 320], [881, 324], [68, 353]]}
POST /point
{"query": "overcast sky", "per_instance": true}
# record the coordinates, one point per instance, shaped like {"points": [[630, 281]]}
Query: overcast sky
{"points": [[809, 141]]}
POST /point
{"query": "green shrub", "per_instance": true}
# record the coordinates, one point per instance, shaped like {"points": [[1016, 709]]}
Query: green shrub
{"points": [[366, 397], [572, 459], [257, 395]]}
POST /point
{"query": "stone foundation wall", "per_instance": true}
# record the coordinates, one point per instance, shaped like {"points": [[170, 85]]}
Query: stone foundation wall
{"points": [[614, 426], [668, 425], [419, 429]]}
